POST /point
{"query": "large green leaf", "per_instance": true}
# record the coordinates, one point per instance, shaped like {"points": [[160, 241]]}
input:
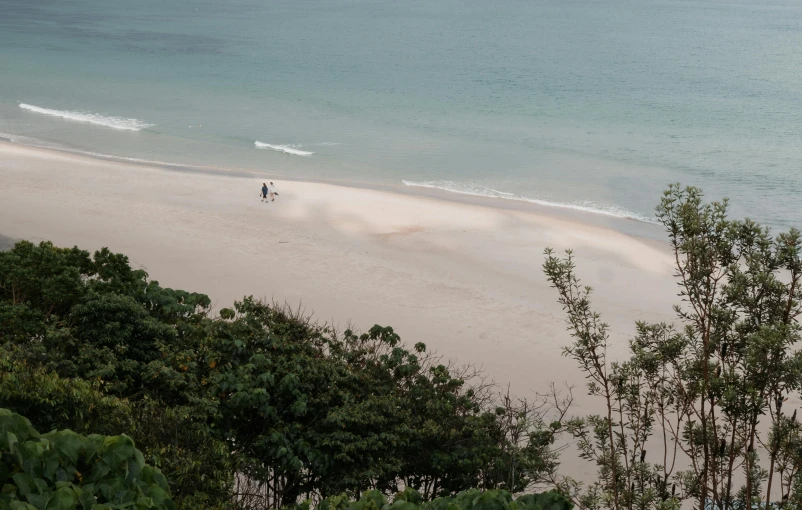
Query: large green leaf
{"points": [[38, 500], [63, 499], [67, 443], [25, 484], [117, 451]]}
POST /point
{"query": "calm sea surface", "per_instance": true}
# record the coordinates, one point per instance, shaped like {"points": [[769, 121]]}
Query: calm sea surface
{"points": [[587, 104]]}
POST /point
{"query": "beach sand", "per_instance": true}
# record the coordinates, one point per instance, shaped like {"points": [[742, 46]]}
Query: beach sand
{"points": [[463, 277]]}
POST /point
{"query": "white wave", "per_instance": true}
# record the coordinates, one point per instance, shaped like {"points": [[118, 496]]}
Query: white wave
{"points": [[92, 118], [287, 149], [481, 191], [319, 144]]}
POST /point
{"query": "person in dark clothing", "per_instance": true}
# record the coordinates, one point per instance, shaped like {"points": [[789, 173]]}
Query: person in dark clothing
{"points": [[264, 192]]}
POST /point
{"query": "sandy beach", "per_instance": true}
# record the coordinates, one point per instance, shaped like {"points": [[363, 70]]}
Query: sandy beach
{"points": [[465, 278]]}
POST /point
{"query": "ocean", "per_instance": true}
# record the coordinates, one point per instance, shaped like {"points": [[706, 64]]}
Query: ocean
{"points": [[580, 104]]}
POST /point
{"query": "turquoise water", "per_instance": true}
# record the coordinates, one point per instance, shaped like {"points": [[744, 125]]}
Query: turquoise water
{"points": [[588, 104]]}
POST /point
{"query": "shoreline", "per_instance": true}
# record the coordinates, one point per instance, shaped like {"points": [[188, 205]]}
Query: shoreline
{"points": [[627, 225], [460, 276]]}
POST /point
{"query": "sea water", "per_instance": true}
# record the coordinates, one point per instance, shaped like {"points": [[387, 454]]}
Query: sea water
{"points": [[585, 104]]}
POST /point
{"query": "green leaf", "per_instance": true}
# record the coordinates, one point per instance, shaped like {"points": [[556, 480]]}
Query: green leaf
{"points": [[63, 499], [67, 443], [25, 483], [87, 500], [21, 505], [38, 500]]}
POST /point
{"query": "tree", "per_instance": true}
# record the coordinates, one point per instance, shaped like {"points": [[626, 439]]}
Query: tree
{"points": [[700, 390], [472, 499], [314, 414], [257, 408], [92, 345]]}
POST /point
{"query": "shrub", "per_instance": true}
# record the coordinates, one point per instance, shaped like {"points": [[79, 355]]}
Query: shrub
{"points": [[62, 470], [472, 499]]}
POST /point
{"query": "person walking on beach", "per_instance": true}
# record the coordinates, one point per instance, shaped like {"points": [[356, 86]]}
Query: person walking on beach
{"points": [[264, 192], [273, 192]]}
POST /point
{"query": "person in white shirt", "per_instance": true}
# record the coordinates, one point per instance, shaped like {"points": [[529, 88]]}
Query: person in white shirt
{"points": [[273, 193]]}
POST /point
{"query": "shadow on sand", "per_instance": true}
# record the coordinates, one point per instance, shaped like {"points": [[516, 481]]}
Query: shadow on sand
{"points": [[6, 243]]}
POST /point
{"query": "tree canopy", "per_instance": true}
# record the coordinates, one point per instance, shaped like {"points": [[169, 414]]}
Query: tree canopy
{"points": [[256, 406]]}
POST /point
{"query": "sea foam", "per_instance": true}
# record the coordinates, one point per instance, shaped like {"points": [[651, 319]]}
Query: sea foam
{"points": [[287, 149], [92, 118], [482, 191]]}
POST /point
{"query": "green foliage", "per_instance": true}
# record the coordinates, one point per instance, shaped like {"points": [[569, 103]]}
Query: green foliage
{"points": [[700, 389], [178, 441], [63, 470], [472, 499], [92, 345], [345, 413], [256, 408], [53, 402], [43, 277]]}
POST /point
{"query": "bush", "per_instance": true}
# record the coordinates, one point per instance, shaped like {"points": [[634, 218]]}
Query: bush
{"points": [[473, 499], [63, 470], [53, 402]]}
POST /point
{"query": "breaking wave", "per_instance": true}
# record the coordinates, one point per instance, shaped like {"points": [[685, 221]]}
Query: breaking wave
{"points": [[286, 149], [91, 118], [482, 191]]}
